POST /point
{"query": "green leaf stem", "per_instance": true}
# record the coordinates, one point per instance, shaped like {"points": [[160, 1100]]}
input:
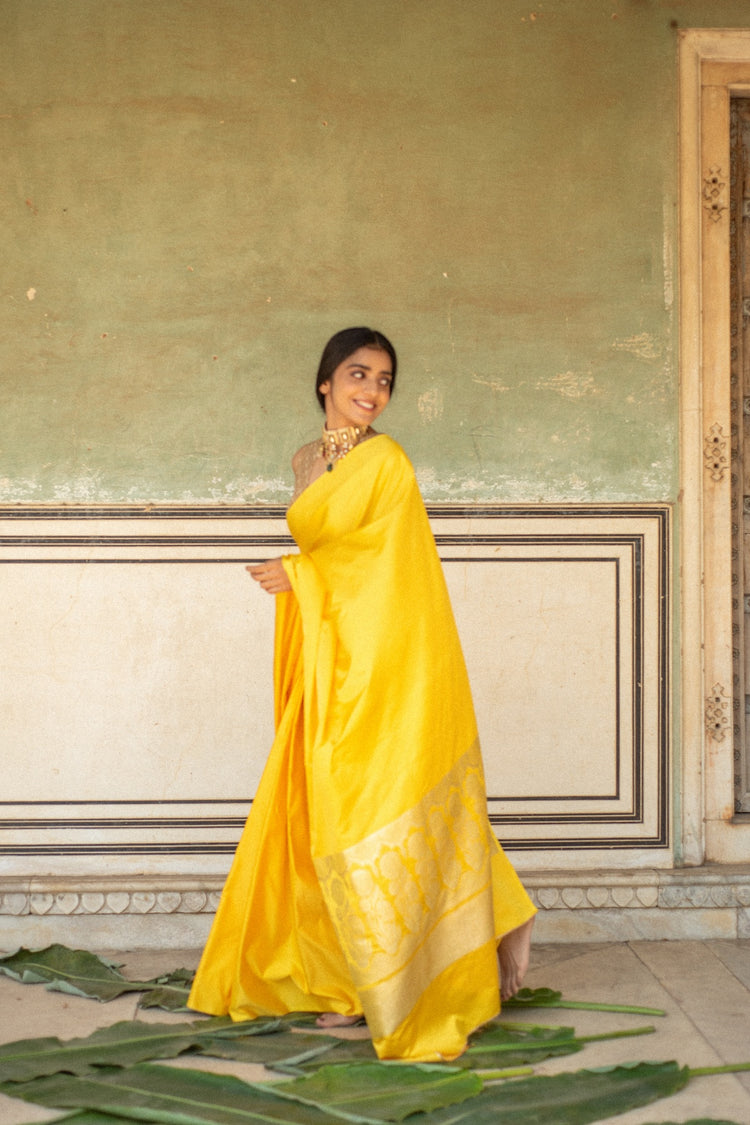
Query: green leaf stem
{"points": [[548, 998]]}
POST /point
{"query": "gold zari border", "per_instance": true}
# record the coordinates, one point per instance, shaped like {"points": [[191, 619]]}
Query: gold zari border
{"points": [[411, 894]]}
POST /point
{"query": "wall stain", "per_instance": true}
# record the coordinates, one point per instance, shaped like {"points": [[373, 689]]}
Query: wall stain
{"points": [[494, 384], [643, 345], [571, 384], [430, 405]]}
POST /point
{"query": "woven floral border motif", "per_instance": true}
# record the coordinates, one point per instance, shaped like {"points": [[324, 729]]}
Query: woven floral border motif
{"points": [[440, 850]]}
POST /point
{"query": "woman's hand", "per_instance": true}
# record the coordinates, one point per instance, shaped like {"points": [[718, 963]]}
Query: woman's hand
{"points": [[271, 576]]}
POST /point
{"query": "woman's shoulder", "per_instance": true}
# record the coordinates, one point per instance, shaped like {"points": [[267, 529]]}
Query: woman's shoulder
{"points": [[305, 454], [305, 466], [391, 450], [392, 464]]}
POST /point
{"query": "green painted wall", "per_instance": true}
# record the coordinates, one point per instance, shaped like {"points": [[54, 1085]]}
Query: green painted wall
{"points": [[196, 193]]}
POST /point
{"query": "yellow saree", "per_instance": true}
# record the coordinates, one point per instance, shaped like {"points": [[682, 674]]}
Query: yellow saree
{"points": [[368, 879]]}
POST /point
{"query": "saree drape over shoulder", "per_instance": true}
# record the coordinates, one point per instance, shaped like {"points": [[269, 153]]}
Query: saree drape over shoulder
{"points": [[368, 879]]}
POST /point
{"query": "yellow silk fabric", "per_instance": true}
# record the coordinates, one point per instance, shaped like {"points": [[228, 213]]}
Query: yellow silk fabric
{"points": [[368, 879]]}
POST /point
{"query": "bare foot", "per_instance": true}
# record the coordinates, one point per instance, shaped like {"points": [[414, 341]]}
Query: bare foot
{"points": [[513, 956], [333, 1019]]}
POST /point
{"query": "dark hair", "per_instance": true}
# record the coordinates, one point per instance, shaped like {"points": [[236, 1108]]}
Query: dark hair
{"points": [[344, 344]]}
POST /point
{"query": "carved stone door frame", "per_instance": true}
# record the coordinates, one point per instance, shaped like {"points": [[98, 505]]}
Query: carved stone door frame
{"points": [[714, 64]]}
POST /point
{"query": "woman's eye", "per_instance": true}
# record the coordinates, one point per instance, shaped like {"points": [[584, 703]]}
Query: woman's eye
{"points": [[358, 374]]}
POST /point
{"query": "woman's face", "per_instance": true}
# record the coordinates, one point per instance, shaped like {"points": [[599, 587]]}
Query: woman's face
{"points": [[359, 389]]}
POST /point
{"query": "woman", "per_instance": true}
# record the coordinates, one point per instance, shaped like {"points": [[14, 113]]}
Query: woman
{"points": [[368, 880]]}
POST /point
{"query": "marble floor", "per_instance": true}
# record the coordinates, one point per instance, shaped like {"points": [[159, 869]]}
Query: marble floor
{"points": [[704, 987]]}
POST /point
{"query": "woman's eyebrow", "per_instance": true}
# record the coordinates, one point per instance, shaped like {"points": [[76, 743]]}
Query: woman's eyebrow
{"points": [[367, 367]]}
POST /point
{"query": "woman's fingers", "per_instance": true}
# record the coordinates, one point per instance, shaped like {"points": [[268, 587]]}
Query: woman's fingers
{"points": [[270, 575]]}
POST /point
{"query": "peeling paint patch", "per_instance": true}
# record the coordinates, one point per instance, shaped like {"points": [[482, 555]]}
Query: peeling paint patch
{"points": [[90, 489], [12, 490], [247, 488], [493, 384], [571, 384], [450, 486], [643, 345], [430, 405]]}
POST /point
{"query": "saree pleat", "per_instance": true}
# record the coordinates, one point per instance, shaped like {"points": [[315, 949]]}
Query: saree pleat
{"points": [[368, 878]]}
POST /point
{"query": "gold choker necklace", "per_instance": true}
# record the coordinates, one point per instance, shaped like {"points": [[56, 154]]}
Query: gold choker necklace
{"points": [[335, 444]]}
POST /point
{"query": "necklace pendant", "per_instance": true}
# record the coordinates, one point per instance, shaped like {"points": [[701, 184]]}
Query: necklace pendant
{"points": [[329, 467], [335, 444]]}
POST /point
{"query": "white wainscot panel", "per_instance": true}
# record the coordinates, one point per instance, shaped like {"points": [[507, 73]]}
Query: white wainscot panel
{"points": [[564, 621], [136, 709], [136, 702]]}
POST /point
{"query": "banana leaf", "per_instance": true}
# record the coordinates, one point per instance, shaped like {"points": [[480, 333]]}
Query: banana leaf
{"points": [[516, 1044], [90, 1117], [572, 1098], [548, 998], [383, 1091], [169, 998], [172, 994], [129, 1042], [78, 972], [285, 1049], [150, 1092], [497, 1044], [162, 1094], [84, 974], [345, 1051]]}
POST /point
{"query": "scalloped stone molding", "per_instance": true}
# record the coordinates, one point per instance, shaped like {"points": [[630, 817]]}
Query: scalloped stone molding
{"points": [[665, 893], [691, 903], [56, 897], [145, 912]]}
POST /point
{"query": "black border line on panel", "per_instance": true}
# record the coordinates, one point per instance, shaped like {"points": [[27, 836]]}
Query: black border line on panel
{"points": [[85, 823], [145, 511], [206, 511], [585, 843], [495, 817]]}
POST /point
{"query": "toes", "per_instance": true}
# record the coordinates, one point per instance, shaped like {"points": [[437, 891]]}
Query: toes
{"points": [[333, 1019]]}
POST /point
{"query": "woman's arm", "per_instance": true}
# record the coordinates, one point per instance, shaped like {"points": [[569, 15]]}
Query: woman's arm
{"points": [[271, 575]]}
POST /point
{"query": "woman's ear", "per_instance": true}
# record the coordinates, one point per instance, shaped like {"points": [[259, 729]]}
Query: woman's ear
{"points": [[324, 388]]}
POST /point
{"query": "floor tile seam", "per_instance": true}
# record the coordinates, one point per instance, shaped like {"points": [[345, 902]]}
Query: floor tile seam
{"points": [[736, 1081], [577, 951], [738, 980], [717, 1059], [695, 1013], [716, 948]]}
